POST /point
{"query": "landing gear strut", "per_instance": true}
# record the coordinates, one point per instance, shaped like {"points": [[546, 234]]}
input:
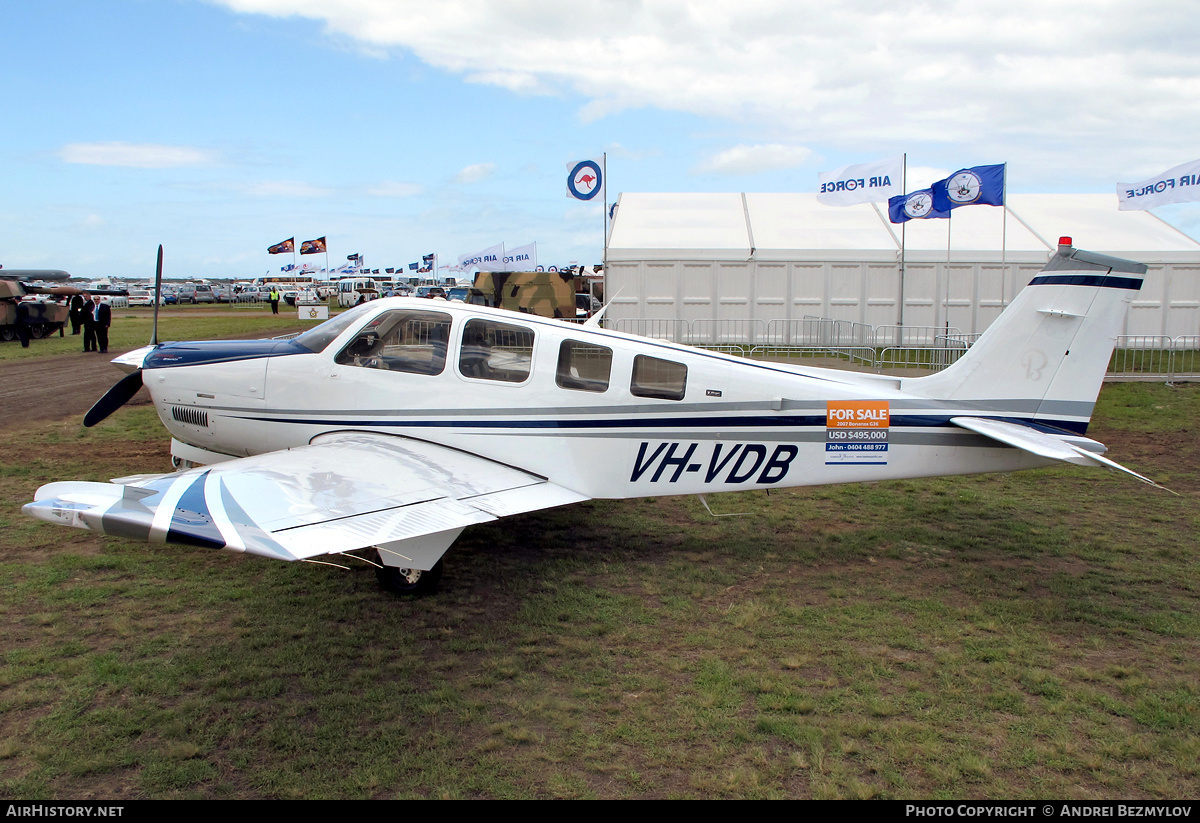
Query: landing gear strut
{"points": [[408, 581]]}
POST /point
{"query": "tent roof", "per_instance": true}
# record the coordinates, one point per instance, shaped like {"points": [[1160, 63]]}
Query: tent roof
{"points": [[730, 226]]}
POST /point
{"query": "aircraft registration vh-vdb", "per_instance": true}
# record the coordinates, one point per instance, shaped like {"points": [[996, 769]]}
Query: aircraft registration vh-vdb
{"points": [[392, 427]]}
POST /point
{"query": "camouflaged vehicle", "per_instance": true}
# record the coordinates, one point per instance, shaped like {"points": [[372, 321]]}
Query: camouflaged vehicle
{"points": [[545, 293], [45, 317]]}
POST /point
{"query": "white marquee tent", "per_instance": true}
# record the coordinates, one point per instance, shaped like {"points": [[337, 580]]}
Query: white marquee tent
{"points": [[779, 256]]}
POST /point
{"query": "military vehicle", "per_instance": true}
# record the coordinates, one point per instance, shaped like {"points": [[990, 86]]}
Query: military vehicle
{"points": [[546, 293], [45, 317]]}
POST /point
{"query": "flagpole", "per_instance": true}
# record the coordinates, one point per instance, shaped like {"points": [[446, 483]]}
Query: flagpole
{"points": [[946, 302], [1004, 236], [903, 239], [604, 215]]}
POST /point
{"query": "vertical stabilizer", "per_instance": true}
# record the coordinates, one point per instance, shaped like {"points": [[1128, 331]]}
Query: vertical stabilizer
{"points": [[1046, 355]]}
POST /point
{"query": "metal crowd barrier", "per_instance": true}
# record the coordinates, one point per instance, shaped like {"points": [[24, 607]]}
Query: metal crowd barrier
{"points": [[1155, 357], [1135, 357]]}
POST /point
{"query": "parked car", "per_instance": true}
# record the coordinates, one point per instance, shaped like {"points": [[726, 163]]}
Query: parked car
{"points": [[352, 291], [142, 297], [467, 294], [197, 293], [430, 291]]}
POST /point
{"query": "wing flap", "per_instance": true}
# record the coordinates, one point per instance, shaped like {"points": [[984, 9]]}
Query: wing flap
{"points": [[525, 499], [387, 526]]}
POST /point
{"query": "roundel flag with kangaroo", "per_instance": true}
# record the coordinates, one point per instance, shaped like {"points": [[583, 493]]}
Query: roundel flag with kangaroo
{"points": [[585, 180]]}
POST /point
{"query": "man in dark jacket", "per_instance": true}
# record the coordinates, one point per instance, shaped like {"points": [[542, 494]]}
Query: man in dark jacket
{"points": [[102, 319], [22, 322], [89, 323], [76, 312]]}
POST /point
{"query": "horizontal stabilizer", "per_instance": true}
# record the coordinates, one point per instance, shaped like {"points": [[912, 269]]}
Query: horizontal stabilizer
{"points": [[1043, 445]]}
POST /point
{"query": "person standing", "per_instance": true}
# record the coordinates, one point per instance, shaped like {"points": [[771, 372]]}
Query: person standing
{"points": [[101, 320], [89, 323], [21, 321], [76, 312], [274, 297]]}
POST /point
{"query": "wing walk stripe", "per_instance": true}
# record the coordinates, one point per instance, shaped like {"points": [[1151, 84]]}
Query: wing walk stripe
{"points": [[191, 521]]}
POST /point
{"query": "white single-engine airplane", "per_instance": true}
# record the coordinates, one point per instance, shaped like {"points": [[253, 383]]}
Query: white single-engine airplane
{"points": [[397, 424]]}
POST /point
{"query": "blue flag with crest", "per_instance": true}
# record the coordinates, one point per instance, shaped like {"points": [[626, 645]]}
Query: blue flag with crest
{"points": [[915, 205], [978, 186]]}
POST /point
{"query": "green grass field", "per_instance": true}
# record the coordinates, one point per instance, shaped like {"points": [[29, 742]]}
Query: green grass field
{"points": [[1030, 635], [132, 328]]}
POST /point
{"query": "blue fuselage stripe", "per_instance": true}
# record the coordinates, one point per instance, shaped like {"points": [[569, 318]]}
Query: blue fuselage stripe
{"points": [[679, 423]]}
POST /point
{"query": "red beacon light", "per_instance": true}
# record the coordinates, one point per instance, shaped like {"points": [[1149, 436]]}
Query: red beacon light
{"points": [[1064, 241]]}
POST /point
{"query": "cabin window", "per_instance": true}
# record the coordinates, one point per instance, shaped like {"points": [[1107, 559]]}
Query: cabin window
{"points": [[403, 341], [583, 366], [658, 378], [496, 351]]}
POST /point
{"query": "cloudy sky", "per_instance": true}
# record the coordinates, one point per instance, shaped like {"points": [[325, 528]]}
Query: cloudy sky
{"points": [[396, 127]]}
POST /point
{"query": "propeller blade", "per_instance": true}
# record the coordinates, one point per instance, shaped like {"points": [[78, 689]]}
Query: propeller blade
{"points": [[114, 398], [157, 296]]}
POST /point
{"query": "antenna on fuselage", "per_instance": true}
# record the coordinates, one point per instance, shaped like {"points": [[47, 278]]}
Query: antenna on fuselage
{"points": [[596, 318]]}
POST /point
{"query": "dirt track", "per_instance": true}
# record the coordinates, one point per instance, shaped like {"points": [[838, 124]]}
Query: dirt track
{"points": [[64, 385]]}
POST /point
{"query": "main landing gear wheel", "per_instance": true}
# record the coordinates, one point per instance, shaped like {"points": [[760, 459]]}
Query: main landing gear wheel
{"points": [[408, 581]]}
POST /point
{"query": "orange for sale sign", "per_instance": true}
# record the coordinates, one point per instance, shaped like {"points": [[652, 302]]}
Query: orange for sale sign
{"points": [[857, 414]]}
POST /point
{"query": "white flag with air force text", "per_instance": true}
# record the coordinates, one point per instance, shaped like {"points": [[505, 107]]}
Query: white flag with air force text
{"points": [[863, 183], [490, 259], [1178, 185], [522, 258]]}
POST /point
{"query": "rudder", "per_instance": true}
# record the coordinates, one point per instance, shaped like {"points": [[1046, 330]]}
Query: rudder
{"points": [[1046, 355]]}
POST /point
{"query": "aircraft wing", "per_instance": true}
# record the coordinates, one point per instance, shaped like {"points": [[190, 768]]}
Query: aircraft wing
{"points": [[344, 491], [1042, 444]]}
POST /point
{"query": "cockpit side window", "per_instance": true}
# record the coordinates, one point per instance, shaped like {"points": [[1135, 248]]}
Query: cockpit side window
{"points": [[583, 366], [496, 351], [318, 337], [405, 341], [663, 379]]}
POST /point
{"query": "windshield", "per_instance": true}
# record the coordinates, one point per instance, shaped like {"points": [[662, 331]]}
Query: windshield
{"points": [[316, 339]]}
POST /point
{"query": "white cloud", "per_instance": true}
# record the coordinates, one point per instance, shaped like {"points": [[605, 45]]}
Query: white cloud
{"points": [[281, 189], [1106, 79], [744, 159], [136, 155], [475, 173], [286, 189], [394, 189]]}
